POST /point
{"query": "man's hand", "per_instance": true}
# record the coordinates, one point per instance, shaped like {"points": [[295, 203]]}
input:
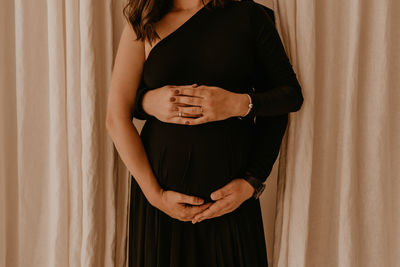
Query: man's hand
{"points": [[227, 199]]}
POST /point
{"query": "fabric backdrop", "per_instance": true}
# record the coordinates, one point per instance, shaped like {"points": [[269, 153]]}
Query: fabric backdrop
{"points": [[338, 198], [63, 191]]}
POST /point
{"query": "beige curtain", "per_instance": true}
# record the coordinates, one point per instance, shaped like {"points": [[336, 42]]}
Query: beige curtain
{"points": [[338, 199], [63, 190]]}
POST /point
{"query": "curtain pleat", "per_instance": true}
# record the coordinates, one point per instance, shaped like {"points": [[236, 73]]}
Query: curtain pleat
{"points": [[63, 189], [339, 174]]}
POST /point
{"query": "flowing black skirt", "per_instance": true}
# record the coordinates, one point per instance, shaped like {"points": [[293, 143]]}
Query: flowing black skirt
{"points": [[196, 160]]}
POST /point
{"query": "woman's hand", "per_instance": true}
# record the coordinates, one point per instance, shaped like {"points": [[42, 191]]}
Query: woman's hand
{"points": [[195, 104], [180, 206], [227, 199], [161, 104]]}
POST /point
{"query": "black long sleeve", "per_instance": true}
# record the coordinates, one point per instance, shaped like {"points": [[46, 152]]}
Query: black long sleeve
{"points": [[280, 92], [277, 92], [137, 110]]}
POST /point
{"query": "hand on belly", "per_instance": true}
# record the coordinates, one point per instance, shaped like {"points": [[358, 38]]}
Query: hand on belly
{"points": [[227, 199]]}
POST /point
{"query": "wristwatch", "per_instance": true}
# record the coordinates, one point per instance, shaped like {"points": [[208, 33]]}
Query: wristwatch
{"points": [[256, 184]]}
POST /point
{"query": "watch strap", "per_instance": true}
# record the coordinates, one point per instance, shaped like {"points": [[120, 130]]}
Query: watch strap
{"points": [[257, 184]]}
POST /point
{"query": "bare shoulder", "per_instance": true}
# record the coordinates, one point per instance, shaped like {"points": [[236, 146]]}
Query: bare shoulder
{"points": [[128, 32], [127, 72], [129, 45], [130, 58], [130, 54]]}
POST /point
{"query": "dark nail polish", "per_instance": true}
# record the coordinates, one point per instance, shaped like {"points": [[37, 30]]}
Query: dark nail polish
{"points": [[172, 99], [176, 92]]}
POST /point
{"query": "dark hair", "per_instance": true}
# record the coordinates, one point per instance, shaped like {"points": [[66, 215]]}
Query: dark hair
{"points": [[142, 14]]}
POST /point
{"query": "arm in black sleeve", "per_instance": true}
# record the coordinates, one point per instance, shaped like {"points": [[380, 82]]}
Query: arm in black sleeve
{"points": [[137, 110], [269, 133], [277, 88], [277, 92]]}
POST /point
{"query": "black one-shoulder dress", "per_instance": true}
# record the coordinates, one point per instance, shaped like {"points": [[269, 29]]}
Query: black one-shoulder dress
{"points": [[235, 47]]}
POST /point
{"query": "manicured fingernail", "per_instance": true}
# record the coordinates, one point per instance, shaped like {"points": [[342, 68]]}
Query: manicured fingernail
{"points": [[176, 92], [176, 108], [187, 122], [172, 99], [194, 85]]}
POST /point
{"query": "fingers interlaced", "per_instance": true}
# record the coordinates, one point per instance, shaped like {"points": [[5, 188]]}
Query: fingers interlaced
{"points": [[189, 111], [189, 90], [189, 100], [187, 103], [180, 117]]}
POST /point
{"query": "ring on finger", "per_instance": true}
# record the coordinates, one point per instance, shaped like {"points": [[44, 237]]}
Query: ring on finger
{"points": [[180, 114]]}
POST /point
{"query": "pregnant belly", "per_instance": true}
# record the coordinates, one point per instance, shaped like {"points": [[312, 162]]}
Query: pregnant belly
{"points": [[198, 159]]}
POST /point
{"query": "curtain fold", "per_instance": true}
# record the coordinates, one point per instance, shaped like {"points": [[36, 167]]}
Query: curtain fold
{"points": [[64, 191], [63, 188], [339, 175]]}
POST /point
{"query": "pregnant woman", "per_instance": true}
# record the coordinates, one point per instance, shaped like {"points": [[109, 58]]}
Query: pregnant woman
{"points": [[217, 87]]}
